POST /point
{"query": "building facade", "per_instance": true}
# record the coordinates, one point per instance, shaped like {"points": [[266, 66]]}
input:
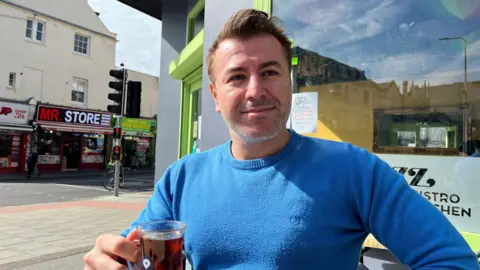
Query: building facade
{"points": [[57, 54], [399, 79]]}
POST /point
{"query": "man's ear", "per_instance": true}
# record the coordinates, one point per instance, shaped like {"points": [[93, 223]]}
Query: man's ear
{"points": [[213, 91]]}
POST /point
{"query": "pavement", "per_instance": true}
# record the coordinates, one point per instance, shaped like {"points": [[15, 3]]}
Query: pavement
{"points": [[57, 235]]}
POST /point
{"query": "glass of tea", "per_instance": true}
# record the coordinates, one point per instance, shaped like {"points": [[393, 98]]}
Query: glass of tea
{"points": [[161, 243]]}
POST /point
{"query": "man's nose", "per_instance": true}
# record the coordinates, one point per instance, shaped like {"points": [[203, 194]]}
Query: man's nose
{"points": [[255, 88]]}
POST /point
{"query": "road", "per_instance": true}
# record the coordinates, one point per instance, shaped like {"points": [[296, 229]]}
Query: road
{"points": [[48, 191]]}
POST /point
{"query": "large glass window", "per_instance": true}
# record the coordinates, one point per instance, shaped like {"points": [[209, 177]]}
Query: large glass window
{"points": [[399, 78], [49, 143]]}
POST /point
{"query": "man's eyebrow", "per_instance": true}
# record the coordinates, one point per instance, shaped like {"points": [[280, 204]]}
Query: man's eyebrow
{"points": [[234, 69], [263, 65], [270, 63]]}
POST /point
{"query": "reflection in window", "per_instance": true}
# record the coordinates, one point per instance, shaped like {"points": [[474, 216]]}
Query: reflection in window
{"points": [[427, 132], [407, 138], [390, 76]]}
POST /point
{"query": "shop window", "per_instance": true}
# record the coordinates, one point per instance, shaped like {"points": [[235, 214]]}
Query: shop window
{"points": [[422, 47], [93, 144], [5, 145], [419, 62], [49, 143]]}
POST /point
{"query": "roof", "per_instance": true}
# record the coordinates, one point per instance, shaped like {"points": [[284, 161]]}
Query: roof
{"points": [[150, 7]]}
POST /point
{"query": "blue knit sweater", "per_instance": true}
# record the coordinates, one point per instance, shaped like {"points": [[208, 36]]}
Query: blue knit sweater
{"points": [[310, 206]]}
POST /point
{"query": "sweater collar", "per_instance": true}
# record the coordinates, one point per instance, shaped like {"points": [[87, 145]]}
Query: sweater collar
{"points": [[259, 163]]}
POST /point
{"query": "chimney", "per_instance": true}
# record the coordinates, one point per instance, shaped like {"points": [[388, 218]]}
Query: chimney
{"points": [[405, 87]]}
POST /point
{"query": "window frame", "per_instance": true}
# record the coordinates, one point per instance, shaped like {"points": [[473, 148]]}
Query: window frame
{"points": [[12, 80], [76, 80], [34, 30], [88, 44]]}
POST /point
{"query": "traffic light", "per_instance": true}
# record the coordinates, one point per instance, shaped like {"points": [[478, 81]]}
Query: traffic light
{"points": [[134, 99], [117, 133], [119, 87], [116, 152]]}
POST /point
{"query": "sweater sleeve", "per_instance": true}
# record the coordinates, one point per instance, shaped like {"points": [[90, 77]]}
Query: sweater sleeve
{"points": [[159, 206], [411, 227]]}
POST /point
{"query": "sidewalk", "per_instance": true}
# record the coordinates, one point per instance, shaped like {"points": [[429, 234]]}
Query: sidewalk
{"points": [[34, 234], [69, 174]]}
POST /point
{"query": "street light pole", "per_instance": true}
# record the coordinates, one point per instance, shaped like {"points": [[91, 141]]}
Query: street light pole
{"points": [[465, 63], [464, 93]]}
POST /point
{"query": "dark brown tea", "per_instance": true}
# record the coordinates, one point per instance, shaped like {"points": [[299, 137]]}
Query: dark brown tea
{"points": [[158, 254]]}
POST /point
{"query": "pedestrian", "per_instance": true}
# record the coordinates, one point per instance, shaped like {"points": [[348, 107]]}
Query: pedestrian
{"points": [[32, 161], [270, 198]]}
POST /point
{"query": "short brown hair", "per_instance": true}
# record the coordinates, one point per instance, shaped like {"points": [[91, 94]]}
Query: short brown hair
{"points": [[247, 23]]}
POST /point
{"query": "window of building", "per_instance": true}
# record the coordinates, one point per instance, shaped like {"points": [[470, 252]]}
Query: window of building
{"points": [[196, 18], [79, 90], [12, 79], [49, 143], [81, 44], [35, 30]]}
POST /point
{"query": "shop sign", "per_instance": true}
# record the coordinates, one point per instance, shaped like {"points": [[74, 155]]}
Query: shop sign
{"points": [[137, 125], [13, 113], [449, 183], [73, 116]]}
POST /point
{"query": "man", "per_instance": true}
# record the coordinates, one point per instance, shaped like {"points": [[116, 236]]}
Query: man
{"points": [[476, 147], [270, 198]]}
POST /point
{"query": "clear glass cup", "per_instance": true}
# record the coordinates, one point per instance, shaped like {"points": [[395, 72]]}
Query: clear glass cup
{"points": [[161, 243]]}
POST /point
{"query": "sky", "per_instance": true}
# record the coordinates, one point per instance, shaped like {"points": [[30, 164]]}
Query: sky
{"points": [[139, 35]]}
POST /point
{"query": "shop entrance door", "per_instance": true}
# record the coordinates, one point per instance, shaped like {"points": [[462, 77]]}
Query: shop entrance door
{"points": [[71, 153]]}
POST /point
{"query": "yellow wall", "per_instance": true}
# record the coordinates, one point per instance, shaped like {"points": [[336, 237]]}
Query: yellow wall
{"points": [[342, 113]]}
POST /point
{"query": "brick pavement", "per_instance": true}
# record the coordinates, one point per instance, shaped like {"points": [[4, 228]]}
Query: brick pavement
{"points": [[36, 233]]}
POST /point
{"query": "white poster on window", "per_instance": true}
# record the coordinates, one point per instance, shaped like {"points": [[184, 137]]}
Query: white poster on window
{"points": [[304, 112], [452, 184]]}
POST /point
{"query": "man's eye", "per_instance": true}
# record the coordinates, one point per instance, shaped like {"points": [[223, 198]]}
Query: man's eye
{"points": [[270, 73], [237, 78]]}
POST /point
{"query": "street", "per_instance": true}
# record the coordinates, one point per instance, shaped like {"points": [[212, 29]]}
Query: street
{"points": [[44, 190]]}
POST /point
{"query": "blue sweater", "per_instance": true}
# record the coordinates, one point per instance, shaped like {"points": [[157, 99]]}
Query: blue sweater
{"points": [[310, 206]]}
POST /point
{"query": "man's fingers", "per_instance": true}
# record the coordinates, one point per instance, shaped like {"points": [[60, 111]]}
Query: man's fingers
{"points": [[133, 235], [101, 261], [118, 246]]}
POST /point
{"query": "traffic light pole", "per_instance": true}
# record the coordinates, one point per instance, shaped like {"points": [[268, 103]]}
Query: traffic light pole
{"points": [[118, 161], [118, 142]]}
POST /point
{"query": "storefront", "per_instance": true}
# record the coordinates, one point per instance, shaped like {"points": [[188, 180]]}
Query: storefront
{"points": [[138, 140], [399, 78], [15, 134], [71, 138]]}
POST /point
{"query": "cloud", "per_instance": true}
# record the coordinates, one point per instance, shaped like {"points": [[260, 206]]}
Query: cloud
{"points": [[139, 35]]}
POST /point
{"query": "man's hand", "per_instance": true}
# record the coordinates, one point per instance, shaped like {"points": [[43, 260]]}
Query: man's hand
{"points": [[109, 248]]}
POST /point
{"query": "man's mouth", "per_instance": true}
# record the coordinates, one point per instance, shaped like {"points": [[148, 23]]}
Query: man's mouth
{"points": [[259, 109]]}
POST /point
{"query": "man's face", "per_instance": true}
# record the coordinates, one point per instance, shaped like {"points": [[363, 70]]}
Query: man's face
{"points": [[251, 86]]}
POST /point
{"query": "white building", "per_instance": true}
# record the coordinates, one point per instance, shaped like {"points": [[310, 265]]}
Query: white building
{"points": [[58, 52]]}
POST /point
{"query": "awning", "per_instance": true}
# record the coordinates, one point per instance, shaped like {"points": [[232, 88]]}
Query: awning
{"points": [[17, 127], [76, 128]]}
